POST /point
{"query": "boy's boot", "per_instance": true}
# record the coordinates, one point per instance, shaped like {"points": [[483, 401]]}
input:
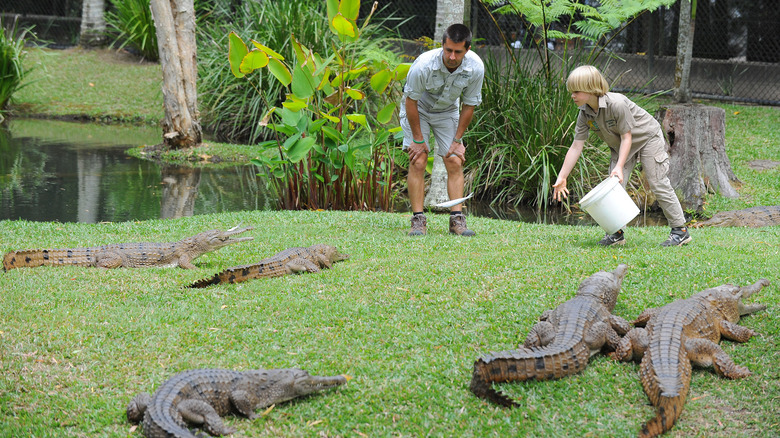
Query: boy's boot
{"points": [[458, 225], [613, 239], [678, 237], [419, 225]]}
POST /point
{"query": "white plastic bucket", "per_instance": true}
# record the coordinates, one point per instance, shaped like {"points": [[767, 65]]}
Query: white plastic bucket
{"points": [[609, 205]]}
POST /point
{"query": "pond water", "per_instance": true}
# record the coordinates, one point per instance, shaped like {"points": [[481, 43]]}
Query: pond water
{"points": [[79, 172], [75, 172]]}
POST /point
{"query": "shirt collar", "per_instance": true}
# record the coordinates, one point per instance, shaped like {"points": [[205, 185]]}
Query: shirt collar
{"points": [[588, 110]]}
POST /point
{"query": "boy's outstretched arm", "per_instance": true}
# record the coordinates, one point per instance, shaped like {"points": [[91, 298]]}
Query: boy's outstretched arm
{"points": [[559, 188]]}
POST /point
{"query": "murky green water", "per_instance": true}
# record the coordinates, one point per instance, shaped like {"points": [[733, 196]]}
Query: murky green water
{"points": [[73, 172]]}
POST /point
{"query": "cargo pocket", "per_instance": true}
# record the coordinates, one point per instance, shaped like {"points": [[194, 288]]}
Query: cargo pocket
{"points": [[661, 165]]}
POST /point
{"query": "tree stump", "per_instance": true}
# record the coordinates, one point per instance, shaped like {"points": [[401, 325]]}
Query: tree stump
{"points": [[697, 148]]}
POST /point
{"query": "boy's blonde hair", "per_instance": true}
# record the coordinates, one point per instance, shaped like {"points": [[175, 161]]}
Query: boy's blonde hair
{"points": [[588, 79]]}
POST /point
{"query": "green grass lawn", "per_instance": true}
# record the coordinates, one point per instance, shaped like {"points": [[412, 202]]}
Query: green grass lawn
{"points": [[405, 317], [101, 85]]}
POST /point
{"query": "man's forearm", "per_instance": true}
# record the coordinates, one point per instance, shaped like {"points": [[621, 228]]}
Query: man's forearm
{"points": [[413, 117]]}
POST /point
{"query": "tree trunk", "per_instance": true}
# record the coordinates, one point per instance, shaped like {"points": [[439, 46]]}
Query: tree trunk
{"points": [[180, 188], [698, 162], [174, 22], [93, 24], [682, 71], [447, 12]]}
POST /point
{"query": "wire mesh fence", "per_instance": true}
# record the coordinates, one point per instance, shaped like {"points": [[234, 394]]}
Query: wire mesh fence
{"points": [[736, 45]]}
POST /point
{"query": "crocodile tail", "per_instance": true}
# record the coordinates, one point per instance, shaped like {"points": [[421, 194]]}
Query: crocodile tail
{"points": [[550, 362], [668, 411], [206, 282], [32, 258], [482, 387]]}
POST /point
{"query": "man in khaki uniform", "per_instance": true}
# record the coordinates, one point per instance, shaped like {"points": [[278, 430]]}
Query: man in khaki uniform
{"points": [[438, 82]]}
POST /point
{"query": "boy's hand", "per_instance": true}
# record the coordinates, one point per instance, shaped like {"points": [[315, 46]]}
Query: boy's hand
{"points": [[618, 172], [560, 191]]}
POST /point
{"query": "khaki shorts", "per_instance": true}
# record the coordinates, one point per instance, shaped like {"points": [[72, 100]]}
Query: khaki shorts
{"points": [[443, 125]]}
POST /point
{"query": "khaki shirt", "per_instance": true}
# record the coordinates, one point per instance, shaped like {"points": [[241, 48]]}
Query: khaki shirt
{"points": [[617, 115], [436, 89]]}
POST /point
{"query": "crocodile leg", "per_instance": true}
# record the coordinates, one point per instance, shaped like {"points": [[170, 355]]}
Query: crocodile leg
{"points": [[632, 346], [200, 413], [734, 332], [706, 353], [541, 334], [109, 260], [299, 265]]}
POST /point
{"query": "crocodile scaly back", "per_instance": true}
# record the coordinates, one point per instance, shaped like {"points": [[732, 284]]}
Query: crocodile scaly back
{"points": [[682, 334], [562, 343], [200, 397], [290, 261], [128, 255]]}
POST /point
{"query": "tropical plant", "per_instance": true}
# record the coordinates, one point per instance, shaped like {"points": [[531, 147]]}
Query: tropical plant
{"points": [[230, 109], [526, 119], [12, 70], [130, 23], [331, 148]]}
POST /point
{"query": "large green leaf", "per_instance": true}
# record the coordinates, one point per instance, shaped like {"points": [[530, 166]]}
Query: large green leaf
{"points": [[359, 119], [401, 71], [303, 85], [236, 52], [300, 149], [268, 51], [350, 9], [344, 27], [252, 61], [280, 71], [386, 113], [381, 80]]}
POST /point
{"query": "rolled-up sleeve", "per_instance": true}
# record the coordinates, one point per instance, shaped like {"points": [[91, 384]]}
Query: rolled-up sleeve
{"points": [[414, 87], [472, 94]]}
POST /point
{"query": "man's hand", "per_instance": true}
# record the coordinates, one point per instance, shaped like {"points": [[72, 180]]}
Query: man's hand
{"points": [[560, 191], [417, 151], [458, 150]]}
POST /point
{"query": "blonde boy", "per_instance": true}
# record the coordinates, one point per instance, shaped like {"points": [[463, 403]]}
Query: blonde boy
{"points": [[632, 135]]}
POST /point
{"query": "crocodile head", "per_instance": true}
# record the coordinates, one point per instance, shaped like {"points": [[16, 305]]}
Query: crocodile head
{"points": [[604, 285], [330, 252], [213, 240], [304, 383], [728, 299]]}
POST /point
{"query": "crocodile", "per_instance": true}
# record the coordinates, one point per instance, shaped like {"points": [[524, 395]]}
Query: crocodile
{"points": [[754, 217], [670, 339], [129, 255], [292, 260], [200, 397], [561, 343]]}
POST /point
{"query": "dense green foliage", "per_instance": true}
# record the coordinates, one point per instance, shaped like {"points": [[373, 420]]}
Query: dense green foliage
{"points": [[333, 141], [131, 24], [12, 68], [233, 110]]}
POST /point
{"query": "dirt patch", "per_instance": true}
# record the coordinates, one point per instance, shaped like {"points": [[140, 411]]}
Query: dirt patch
{"points": [[763, 164]]}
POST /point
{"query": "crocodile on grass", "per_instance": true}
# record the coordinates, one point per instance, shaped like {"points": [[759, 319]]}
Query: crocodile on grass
{"points": [[754, 217], [200, 397], [292, 260], [683, 333], [561, 344], [129, 255]]}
